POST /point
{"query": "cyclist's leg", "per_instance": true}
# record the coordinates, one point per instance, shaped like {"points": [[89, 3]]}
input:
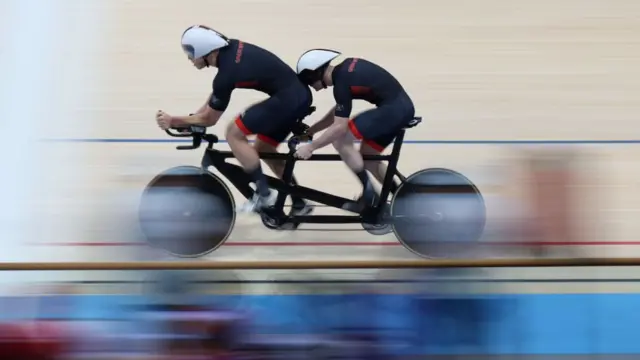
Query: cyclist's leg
{"points": [[377, 168], [280, 114], [265, 144], [287, 108], [345, 146], [268, 145], [396, 116], [292, 106], [250, 122]]}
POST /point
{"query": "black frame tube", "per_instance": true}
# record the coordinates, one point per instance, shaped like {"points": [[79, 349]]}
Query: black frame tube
{"points": [[241, 180]]}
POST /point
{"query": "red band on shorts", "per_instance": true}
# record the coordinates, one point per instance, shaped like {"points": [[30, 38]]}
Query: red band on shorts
{"points": [[268, 140], [372, 144], [354, 130], [241, 126]]}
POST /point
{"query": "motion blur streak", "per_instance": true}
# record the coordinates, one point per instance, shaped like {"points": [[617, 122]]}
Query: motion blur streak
{"points": [[45, 77]]}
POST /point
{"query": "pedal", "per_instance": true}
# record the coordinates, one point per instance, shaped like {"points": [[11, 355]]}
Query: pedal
{"points": [[359, 207], [277, 224], [288, 226], [377, 229], [376, 225], [304, 211]]}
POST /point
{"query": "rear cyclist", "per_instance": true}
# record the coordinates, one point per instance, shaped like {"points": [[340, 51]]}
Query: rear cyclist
{"points": [[352, 79], [245, 66]]}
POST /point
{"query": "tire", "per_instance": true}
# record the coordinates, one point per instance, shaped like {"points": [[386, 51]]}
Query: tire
{"points": [[187, 212], [438, 213]]}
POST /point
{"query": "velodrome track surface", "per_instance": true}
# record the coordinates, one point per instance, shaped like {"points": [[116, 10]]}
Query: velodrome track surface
{"points": [[563, 74], [116, 236]]}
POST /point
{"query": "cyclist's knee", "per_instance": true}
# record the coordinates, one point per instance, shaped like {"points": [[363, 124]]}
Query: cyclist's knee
{"points": [[366, 149], [234, 132], [370, 165], [263, 146], [343, 141]]}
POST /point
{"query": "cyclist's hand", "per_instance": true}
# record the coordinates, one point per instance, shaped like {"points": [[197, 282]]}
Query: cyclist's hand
{"points": [[163, 119], [304, 152]]}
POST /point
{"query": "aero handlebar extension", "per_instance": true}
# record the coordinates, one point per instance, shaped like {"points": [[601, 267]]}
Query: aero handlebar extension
{"points": [[199, 133]]}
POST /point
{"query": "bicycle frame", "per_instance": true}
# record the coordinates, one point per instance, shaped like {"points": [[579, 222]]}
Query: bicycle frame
{"points": [[241, 180]]}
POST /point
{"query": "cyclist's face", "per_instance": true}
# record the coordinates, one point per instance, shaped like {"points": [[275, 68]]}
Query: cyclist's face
{"points": [[317, 86], [198, 63]]}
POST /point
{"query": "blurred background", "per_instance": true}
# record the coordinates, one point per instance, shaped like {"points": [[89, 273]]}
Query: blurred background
{"points": [[535, 101]]}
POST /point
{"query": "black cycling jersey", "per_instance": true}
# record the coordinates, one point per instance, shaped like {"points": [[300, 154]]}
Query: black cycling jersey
{"points": [[359, 79], [246, 66]]}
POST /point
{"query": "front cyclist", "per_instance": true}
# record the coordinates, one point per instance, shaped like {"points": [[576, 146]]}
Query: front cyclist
{"points": [[352, 79], [246, 66]]}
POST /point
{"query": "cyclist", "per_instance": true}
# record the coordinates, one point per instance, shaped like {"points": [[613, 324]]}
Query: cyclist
{"points": [[352, 79], [242, 65]]}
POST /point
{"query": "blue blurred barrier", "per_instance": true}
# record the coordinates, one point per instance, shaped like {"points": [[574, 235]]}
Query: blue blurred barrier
{"points": [[414, 324]]}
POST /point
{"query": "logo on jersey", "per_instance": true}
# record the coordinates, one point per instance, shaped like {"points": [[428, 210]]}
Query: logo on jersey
{"points": [[352, 66], [339, 107], [239, 52], [215, 101]]}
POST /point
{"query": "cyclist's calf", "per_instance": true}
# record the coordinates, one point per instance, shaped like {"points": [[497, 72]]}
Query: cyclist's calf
{"points": [[277, 166], [377, 168], [348, 152]]}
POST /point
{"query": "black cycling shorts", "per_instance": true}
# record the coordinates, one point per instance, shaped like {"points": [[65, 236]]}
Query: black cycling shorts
{"points": [[378, 127], [274, 118]]}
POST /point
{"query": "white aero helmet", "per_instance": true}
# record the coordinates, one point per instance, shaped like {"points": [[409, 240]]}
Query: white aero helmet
{"points": [[312, 61], [199, 41]]}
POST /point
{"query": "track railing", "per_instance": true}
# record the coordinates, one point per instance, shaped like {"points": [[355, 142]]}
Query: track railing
{"points": [[293, 265]]}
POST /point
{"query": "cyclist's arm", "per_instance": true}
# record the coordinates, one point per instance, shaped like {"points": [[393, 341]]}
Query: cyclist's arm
{"points": [[324, 123], [205, 105], [209, 113], [340, 124], [207, 117]]}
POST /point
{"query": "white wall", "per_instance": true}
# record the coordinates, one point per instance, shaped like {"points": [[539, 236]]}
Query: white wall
{"points": [[51, 74]]}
